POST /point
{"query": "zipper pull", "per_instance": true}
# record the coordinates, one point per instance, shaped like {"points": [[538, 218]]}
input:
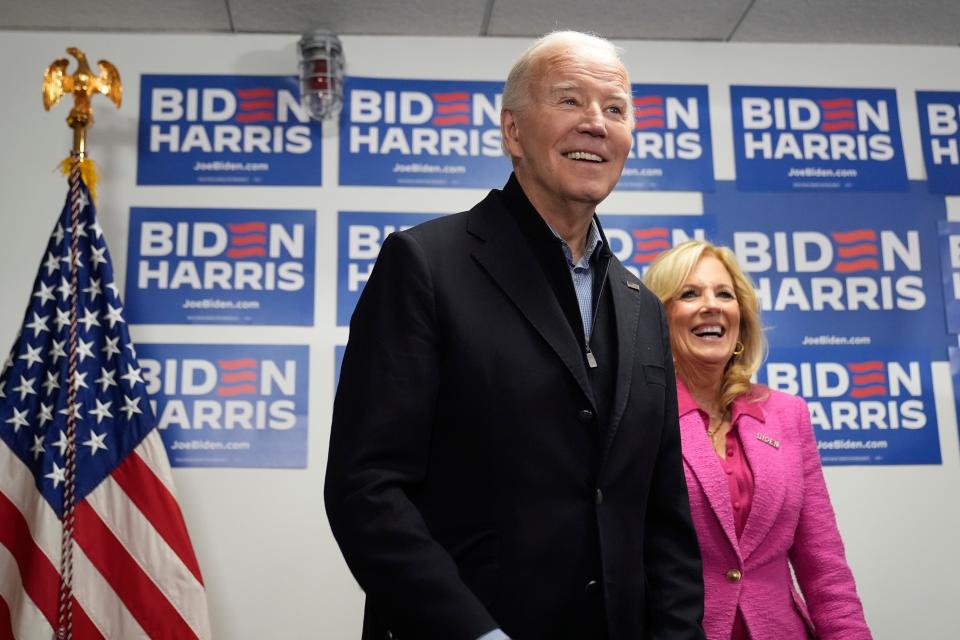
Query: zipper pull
{"points": [[591, 360]]}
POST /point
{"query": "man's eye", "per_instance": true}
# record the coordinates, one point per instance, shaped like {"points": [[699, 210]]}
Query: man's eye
{"points": [[616, 110]]}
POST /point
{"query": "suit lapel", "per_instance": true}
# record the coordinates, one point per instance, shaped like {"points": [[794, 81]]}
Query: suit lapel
{"points": [[769, 484], [626, 307], [700, 456], [505, 256]]}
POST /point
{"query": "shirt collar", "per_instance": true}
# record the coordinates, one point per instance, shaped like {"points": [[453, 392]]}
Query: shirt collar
{"points": [[744, 404], [594, 242]]}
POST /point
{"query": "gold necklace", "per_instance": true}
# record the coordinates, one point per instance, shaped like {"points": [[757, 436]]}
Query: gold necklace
{"points": [[720, 419]]}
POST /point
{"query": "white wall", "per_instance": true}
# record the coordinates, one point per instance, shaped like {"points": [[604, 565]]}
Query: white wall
{"points": [[271, 567]]}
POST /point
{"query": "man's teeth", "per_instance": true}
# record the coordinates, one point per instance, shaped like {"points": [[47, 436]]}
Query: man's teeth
{"points": [[583, 155]]}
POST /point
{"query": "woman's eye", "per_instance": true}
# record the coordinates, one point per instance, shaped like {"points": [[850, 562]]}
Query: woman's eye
{"points": [[688, 294]]}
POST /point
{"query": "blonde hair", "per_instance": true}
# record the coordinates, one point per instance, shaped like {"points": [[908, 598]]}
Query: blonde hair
{"points": [[665, 278]]}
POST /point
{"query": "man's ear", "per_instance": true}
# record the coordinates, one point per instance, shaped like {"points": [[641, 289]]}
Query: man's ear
{"points": [[509, 130]]}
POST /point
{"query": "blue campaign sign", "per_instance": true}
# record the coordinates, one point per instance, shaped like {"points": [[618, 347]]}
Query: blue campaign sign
{"points": [[637, 240], [359, 236], [220, 266], [230, 405], [817, 139], [939, 113], [421, 133], [950, 268], [672, 150], [226, 130], [841, 268], [868, 405]]}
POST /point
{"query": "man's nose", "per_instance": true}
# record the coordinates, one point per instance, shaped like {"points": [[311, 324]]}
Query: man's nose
{"points": [[592, 121]]}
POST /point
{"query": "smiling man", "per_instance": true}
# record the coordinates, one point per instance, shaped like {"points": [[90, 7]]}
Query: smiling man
{"points": [[504, 458]]}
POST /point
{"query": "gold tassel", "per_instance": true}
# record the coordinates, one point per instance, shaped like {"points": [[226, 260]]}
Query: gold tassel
{"points": [[88, 173]]}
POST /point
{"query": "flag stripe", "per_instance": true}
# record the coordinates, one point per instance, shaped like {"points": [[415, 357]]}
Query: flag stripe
{"points": [[6, 624], [153, 453], [83, 626], [158, 506], [39, 577], [21, 612], [101, 602], [158, 560], [145, 601], [16, 482]]}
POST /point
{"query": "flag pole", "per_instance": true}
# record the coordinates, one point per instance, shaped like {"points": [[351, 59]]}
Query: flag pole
{"points": [[82, 84]]}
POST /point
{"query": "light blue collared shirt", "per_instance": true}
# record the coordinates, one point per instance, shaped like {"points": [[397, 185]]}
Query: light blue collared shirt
{"points": [[582, 275]]}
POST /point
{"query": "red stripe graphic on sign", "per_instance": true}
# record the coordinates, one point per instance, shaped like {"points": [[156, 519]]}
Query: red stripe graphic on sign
{"points": [[864, 264], [652, 245], [649, 111], [453, 108], [856, 243], [246, 253], [838, 126], [242, 372], [857, 235], [839, 115], [867, 392], [860, 367], [253, 105], [654, 232], [251, 94], [247, 227], [232, 365], [457, 96], [858, 250], [445, 121], [650, 123], [869, 379], [643, 101], [253, 238], [838, 103], [260, 116], [243, 376]]}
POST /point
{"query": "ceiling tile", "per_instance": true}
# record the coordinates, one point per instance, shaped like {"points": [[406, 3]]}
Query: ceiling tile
{"points": [[116, 15], [933, 22], [627, 19], [361, 17]]}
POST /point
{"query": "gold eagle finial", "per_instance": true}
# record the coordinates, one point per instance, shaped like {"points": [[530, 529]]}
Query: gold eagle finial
{"points": [[82, 84]]}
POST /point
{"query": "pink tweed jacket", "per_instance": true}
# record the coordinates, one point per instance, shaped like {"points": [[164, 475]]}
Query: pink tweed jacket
{"points": [[791, 522]]}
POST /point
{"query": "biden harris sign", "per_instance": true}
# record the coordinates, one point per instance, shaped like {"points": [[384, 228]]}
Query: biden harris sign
{"points": [[421, 133], [816, 139], [226, 130], [220, 266]]}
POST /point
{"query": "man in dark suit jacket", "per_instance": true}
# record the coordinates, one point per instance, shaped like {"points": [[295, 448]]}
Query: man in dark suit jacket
{"points": [[505, 456]]}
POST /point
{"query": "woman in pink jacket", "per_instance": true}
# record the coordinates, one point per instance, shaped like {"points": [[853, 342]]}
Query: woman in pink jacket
{"points": [[757, 493]]}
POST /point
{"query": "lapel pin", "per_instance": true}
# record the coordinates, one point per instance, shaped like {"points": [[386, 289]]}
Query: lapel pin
{"points": [[768, 440], [633, 285]]}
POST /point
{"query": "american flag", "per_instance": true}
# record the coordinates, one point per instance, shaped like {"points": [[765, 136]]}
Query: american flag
{"points": [[134, 573]]}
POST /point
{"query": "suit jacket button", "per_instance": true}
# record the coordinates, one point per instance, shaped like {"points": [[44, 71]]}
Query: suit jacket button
{"points": [[591, 587], [734, 575], [598, 496], [585, 416]]}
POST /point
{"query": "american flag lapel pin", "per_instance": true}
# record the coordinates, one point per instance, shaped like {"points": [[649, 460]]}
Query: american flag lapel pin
{"points": [[633, 285], [768, 440]]}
